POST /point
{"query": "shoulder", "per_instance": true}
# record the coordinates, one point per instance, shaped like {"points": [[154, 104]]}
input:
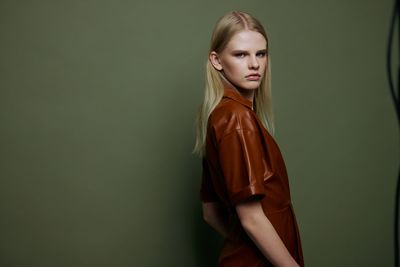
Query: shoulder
{"points": [[230, 116]]}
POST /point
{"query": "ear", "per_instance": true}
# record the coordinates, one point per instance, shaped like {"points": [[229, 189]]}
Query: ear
{"points": [[215, 60]]}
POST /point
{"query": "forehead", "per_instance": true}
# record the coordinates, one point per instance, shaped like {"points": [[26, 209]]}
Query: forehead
{"points": [[247, 40]]}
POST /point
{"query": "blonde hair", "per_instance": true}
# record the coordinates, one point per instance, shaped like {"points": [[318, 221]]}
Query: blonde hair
{"points": [[227, 26]]}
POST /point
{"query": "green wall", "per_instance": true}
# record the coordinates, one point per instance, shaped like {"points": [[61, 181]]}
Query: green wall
{"points": [[97, 107]]}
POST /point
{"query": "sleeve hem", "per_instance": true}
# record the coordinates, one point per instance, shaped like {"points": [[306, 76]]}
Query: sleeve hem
{"points": [[249, 192]]}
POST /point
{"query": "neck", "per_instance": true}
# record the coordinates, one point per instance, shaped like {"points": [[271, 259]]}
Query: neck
{"points": [[246, 93]]}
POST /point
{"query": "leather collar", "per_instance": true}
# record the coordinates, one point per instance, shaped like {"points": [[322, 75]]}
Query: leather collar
{"points": [[232, 93]]}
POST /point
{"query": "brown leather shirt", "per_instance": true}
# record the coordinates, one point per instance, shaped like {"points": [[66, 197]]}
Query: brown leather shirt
{"points": [[243, 162]]}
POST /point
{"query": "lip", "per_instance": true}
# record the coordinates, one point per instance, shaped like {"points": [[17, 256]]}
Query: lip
{"points": [[253, 77]]}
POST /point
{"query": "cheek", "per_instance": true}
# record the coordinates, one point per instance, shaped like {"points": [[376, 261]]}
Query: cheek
{"points": [[265, 63], [233, 66]]}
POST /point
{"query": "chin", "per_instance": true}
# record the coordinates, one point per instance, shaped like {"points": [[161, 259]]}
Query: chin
{"points": [[246, 85], [253, 86]]}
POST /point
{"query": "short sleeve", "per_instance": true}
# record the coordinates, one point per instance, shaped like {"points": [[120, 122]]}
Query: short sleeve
{"points": [[241, 158], [207, 192]]}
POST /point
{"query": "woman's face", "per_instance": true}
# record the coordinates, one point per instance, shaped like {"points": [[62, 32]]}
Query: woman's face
{"points": [[244, 59]]}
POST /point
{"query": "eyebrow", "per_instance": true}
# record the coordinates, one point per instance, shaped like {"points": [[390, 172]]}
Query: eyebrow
{"points": [[245, 51]]}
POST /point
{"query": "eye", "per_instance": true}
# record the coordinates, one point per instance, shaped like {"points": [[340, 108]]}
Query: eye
{"points": [[239, 55], [261, 54]]}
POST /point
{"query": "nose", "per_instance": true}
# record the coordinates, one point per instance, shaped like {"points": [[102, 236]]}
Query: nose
{"points": [[253, 62]]}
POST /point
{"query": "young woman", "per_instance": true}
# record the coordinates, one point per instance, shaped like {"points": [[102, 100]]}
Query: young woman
{"points": [[245, 190]]}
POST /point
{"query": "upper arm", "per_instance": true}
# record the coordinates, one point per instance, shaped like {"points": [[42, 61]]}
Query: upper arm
{"points": [[242, 162], [241, 153]]}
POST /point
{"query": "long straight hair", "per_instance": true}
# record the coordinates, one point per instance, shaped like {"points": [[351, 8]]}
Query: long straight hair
{"points": [[227, 26]]}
